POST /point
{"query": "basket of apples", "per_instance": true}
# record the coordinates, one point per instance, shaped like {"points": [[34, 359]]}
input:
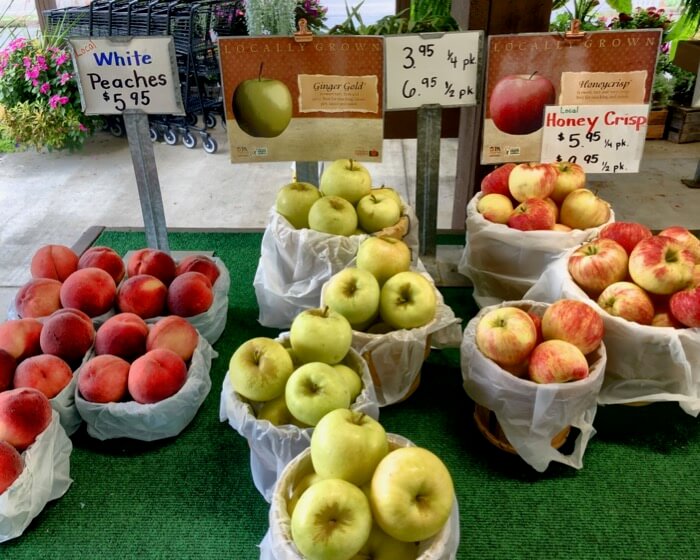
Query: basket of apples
{"points": [[537, 368], [276, 390], [34, 458], [313, 232], [396, 313], [143, 381], [358, 492], [525, 216], [646, 288]]}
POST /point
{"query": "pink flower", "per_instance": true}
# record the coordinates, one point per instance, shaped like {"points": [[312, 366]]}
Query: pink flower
{"points": [[64, 77], [26, 61], [41, 63], [56, 100], [45, 88], [82, 127], [60, 59], [17, 44], [32, 73], [35, 83]]}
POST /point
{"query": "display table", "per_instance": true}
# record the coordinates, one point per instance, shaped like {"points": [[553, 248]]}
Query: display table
{"points": [[192, 497]]}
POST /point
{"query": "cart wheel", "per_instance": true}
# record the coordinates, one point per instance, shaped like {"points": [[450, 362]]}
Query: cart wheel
{"points": [[116, 129], [170, 137], [209, 144], [189, 140], [153, 134], [191, 119], [210, 120]]}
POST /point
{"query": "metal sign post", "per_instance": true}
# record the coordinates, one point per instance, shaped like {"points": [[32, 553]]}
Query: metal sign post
{"points": [[429, 126]]}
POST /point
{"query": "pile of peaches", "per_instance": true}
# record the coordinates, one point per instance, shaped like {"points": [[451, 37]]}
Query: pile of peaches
{"points": [[541, 196]]}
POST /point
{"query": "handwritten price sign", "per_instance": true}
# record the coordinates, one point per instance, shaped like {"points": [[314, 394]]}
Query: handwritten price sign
{"points": [[601, 138], [432, 68]]}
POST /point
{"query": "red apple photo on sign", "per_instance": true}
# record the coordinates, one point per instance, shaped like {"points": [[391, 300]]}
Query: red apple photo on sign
{"points": [[518, 101]]}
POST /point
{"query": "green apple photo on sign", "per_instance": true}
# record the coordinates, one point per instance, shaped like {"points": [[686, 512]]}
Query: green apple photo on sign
{"points": [[297, 101]]}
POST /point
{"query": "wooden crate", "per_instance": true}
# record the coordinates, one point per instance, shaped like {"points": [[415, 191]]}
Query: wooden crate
{"points": [[683, 124], [657, 124]]}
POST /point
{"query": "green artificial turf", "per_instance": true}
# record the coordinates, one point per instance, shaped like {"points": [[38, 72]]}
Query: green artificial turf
{"points": [[192, 496]]}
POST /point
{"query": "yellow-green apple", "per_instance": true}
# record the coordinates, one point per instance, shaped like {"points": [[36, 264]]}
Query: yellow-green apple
{"points": [[532, 214], [334, 215], [627, 234], [597, 264], [11, 465], [332, 519], [389, 191], [348, 444], [45, 372], [21, 337], [320, 335], [685, 307], [313, 390], [347, 179], [276, 412], [262, 106], [104, 379], [407, 300], [24, 414], [294, 200], [39, 297], [354, 293], [8, 364], [506, 335], [174, 333], [575, 322], [661, 265], [570, 176], [557, 361], [583, 209], [377, 211], [531, 180], [259, 369], [517, 102], [352, 380], [123, 335], [628, 301], [495, 207], [380, 546], [686, 238], [300, 486], [383, 256], [156, 375], [199, 263], [411, 494], [496, 182]]}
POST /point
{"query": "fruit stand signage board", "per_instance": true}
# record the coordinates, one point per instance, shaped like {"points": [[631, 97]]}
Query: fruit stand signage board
{"points": [[119, 73], [525, 73], [432, 68], [287, 100], [601, 138]]}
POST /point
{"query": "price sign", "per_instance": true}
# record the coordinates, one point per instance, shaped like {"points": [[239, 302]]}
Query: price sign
{"points": [[601, 138], [118, 73], [432, 68]]}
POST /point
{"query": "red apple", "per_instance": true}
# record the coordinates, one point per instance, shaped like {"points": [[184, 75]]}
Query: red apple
{"points": [[495, 207], [685, 307], [103, 379], [105, 258], [24, 414], [628, 301], [45, 372], [517, 102], [570, 176], [537, 320], [199, 263], [496, 182], [506, 335], [532, 214], [597, 264], [8, 364], [156, 375], [583, 209], [627, 234], [685, 238], [557, 361], [10, 465], [663, 316], [21, 337], [575, 322], [661, 265], [531, 180], [696, 277]]}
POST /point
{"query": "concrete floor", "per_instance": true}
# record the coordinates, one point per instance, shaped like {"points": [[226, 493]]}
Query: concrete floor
{"points": [[56, 197]]}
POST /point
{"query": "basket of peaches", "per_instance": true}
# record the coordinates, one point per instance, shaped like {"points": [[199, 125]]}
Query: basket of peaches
{"points": [[646, 288], [534, 371], [523, 218]]}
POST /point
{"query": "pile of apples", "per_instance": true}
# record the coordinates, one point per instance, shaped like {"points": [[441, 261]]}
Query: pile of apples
{"points": [[366, 498], [344, 203], [298, 384], [381, 293], [541, 196], [150, 284], [552, 348], [641, 277]]}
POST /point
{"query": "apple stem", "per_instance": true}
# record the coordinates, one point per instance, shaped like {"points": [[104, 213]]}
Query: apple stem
{"points": [[326, 309], [260, 71], [531, 75], [350, 168]]}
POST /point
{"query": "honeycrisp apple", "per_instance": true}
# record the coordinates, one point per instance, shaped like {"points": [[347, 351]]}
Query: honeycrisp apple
{"points": [[259, 369], [495, 207], [597, 264], [348, 444], [354, 293], [517, 102], [661, 265], [628, 301], [531, 180], [407, 300], [377, 211], [320, 335], [583, 209], [294, 200], [685, 238], [334, 215], [575, 322], [506, 335], [627, 234], [685, 307], [383, 257], [332, 519], [570, 176], [532, 214], [411, 494], [347, 179], [557, 361], [496, 182], [313, 390]]}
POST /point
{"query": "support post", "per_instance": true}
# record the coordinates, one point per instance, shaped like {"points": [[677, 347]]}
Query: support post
{"points": [[428, 176], [693, 183], [307, 172]]}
